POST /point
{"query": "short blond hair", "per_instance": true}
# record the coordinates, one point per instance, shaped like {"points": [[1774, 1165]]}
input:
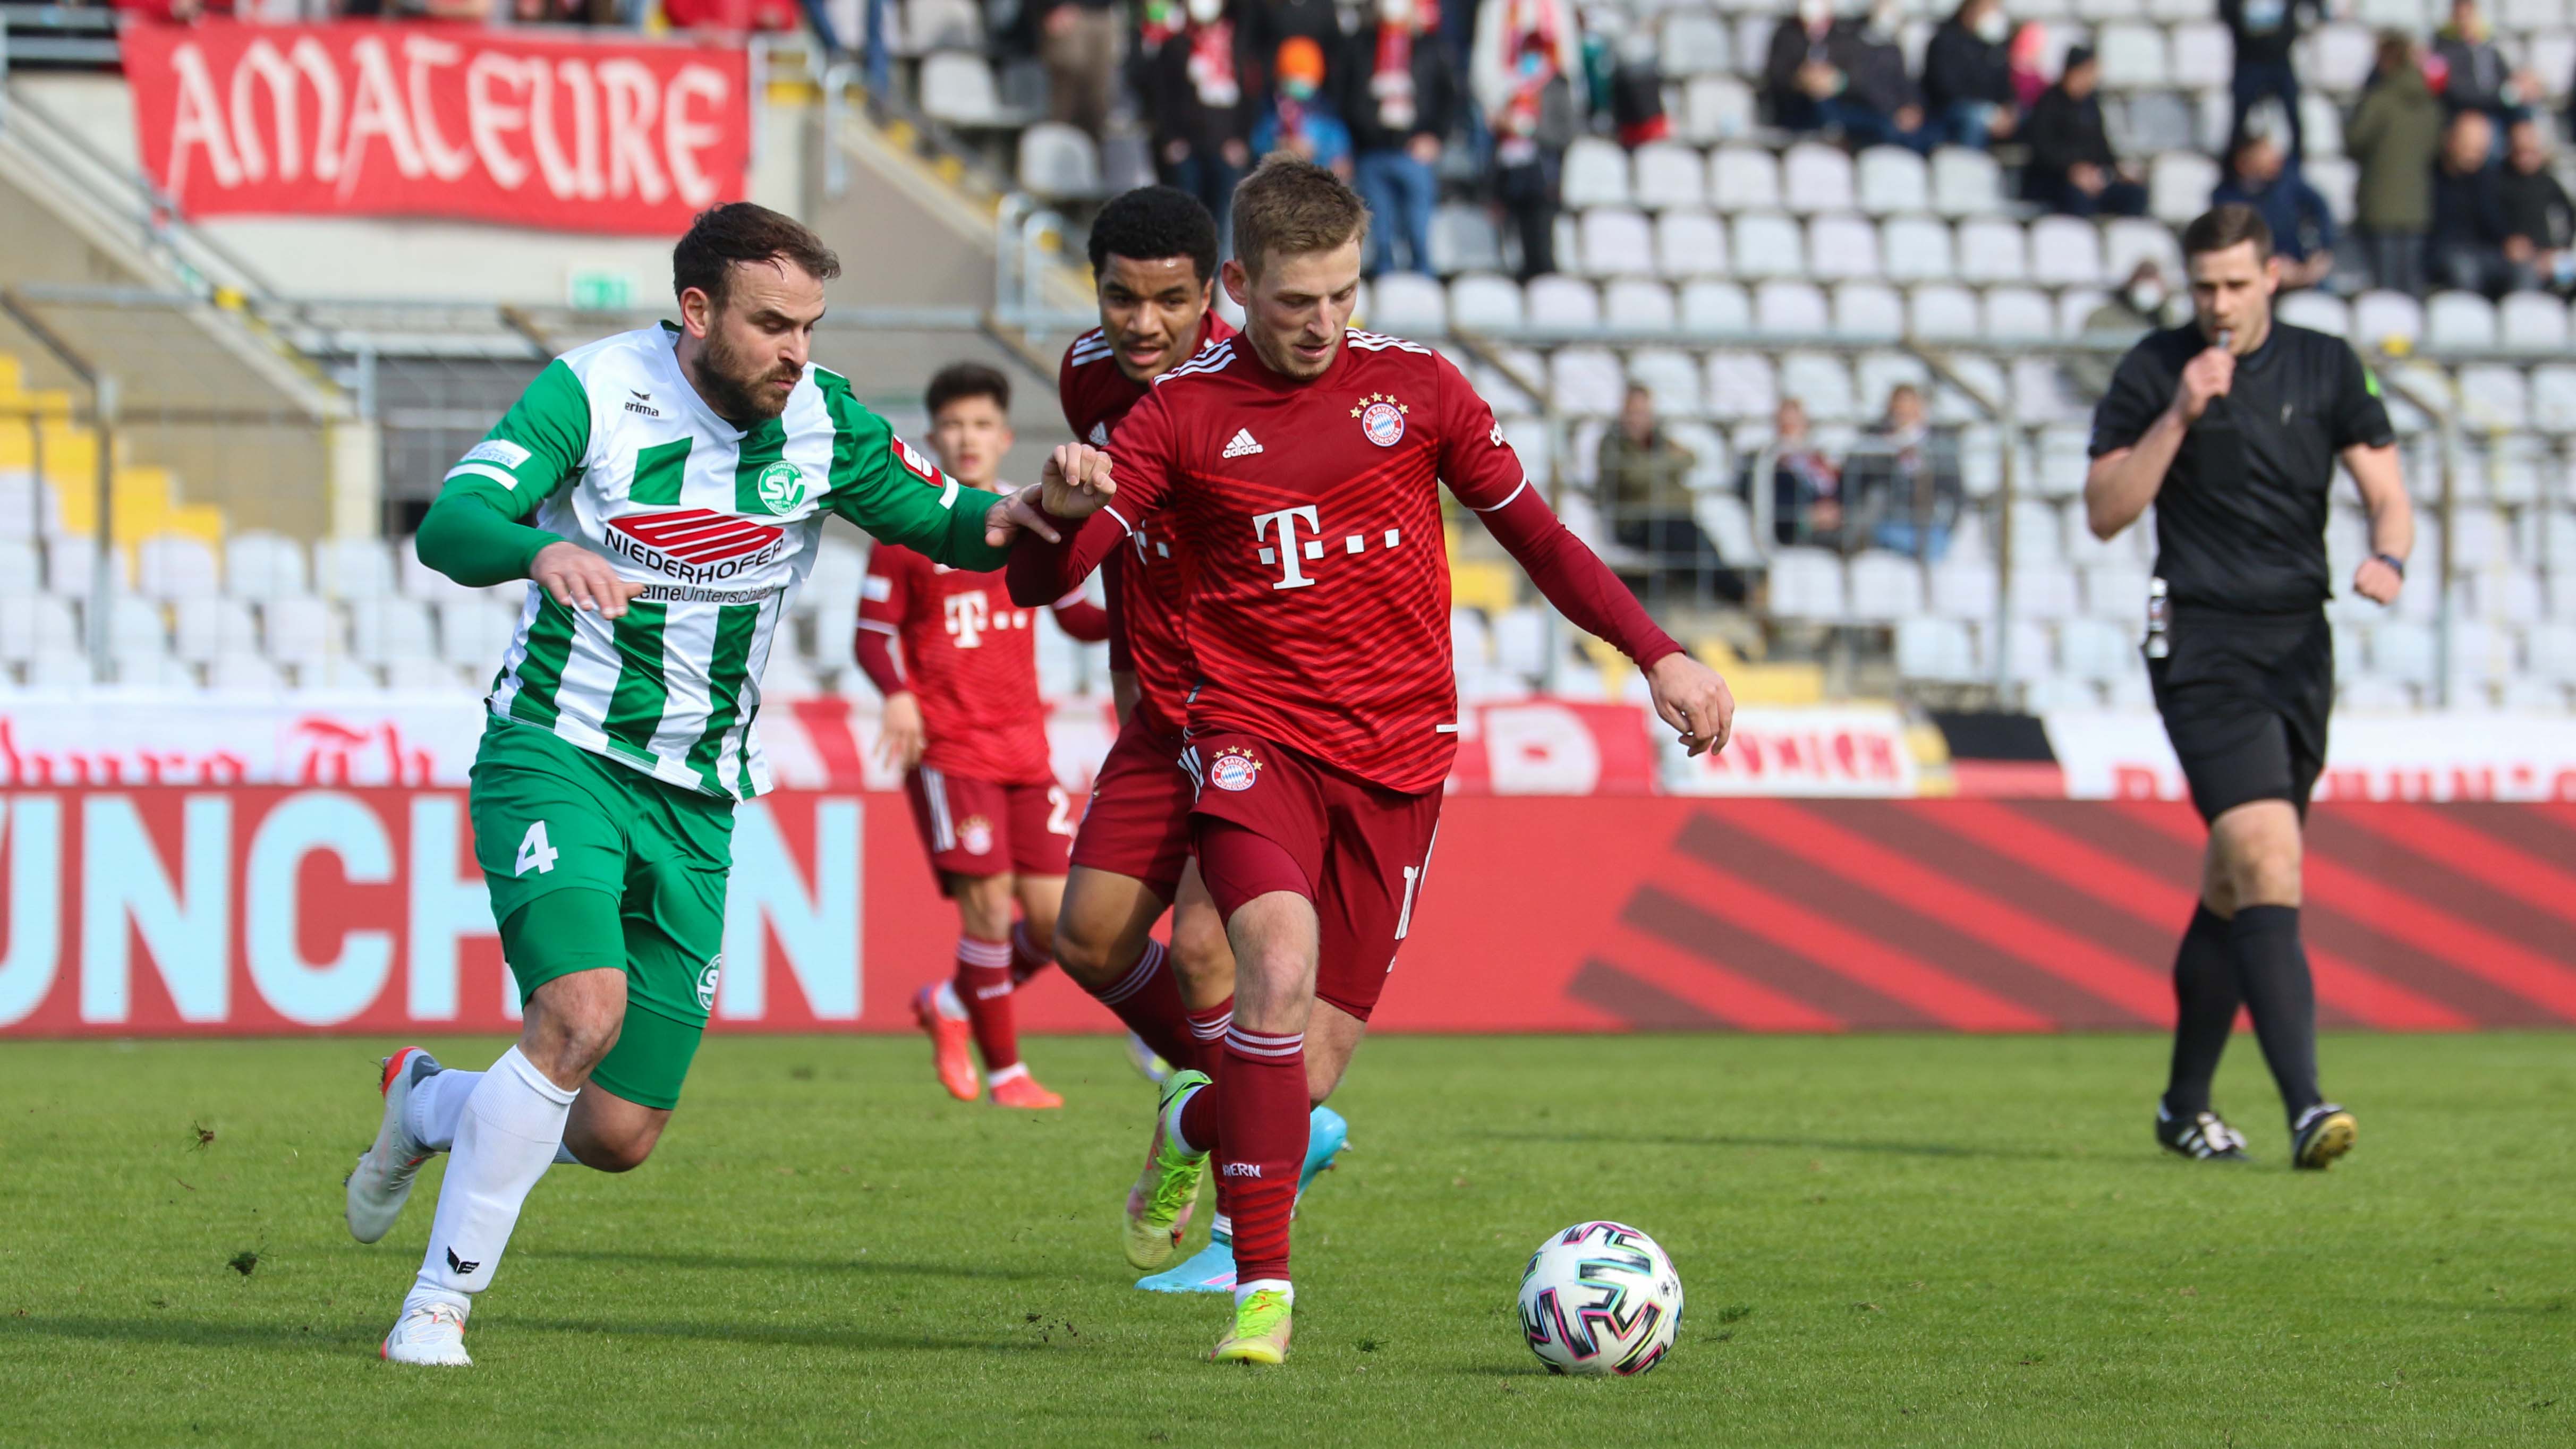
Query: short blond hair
{"points": [[1293, 208]]}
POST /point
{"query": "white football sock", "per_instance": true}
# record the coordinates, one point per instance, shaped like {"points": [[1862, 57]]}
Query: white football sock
{"points": [[431, 1112], [945, 1002], [1246, 1290], [1222, 1226], [505, 1141]]}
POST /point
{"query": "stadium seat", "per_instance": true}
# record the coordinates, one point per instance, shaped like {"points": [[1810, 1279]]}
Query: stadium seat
{"points": [[1742, 386], [1693, 44], [176, 566], [2065, 252], [392, 628], [957, 87], [1690, 244], [2459, 321], [1498, 388], [1966, 182], [1807, 583], [2075, 307], [1632, 304], [1520, 641], [1823, 383], [1586, 381], [1990, 250], [2550, 652], [2115, 591], [1842, 248], [1790, 309], [1878, 372], [2551, 55], [1596, 174], [262, 565], [2493, 397], [1891, 179], [213, 627], [2536, 321], [831, 587], [299, 630], [2178, 186], [2340, 57], [1884, 587], [930, 25], [2553, 398], [1673, 377], [1743, 178], [2378, 316], [1480, 300], [1617, 242], [2044, 591], [2133, 56], [1463, 239], [1722, 307], [2130, 240], [2403, 652], [2029, 652], [2409, 15], [1946, 313], [1915, 249], [1718, 108], [136, 626], [2203, 58], [1470, 641], [1963, 588], [1767, 244], [1936, 650], [1753, 31], [1059, 162], [1815, 178], [1869, 312], [1565, 303], [342, 674], [34, 624], [2321, 311], [2018, 314], [1670, 175], [1409, 304], [473, 633]]}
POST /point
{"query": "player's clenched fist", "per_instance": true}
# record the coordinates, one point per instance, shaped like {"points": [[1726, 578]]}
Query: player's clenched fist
{"points": [[1076, 480], [2207, 376], [1693, 699], [576, 578]]}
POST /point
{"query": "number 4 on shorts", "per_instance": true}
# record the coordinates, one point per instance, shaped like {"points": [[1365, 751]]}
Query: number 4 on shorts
{"points": [[534, 852]]}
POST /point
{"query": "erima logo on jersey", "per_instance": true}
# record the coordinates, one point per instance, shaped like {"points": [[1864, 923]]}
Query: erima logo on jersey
{"points": [[694, 545], [459, 1266], [633, 406], [1242, 445]]}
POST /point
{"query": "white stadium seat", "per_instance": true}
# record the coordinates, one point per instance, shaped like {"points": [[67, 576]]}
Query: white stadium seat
{"points": [[176, 566], [1915, 249], [1938, 650], [2065, 252], [1742, 386], [957, 87], [2494, 398], [213, 627], [1716, 307], [2204, 56], [1743, 178], [1058, 161], [1408, 304], [2553, 398], [2340, 57], [2018, 314], [2115, 591], [1963, 588], [1807, 583], [1479, 300], [1990, 250], [1633, 304], [1891, 179], [35, 624], [1816, 178], [1718, 108], [2075, 306], [1767, 244], [2178, 186], [930, 25], [2379, 316], [2133, 56], [300, 630], [1944, 313], [1842, 248], [394, 628], [1884, 587], [1966, 182], [1565, 303], [259, 564], [1586, 381], [2532, 320], [1673, 377], [1690, 244], [1668, 175], [1694, 43], [1596, 174], [1791, 309], [1617, 242], [1823, 383], [2130, 240], [2459, 320], [1868, 311], [2317, 310]]}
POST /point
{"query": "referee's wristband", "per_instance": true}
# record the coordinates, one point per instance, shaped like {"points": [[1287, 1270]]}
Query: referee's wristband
{"points": [[2396, 564]]}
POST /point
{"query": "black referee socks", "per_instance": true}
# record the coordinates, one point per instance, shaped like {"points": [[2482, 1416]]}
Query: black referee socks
{"points": [[2206, 997], [2272, 974]]}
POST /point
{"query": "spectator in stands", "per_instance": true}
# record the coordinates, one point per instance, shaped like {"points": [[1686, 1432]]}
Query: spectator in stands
{"points": [[1403, 98], [1645, 495], [2396, 136], [1079, 42], [1524, 69], [2139, 306], [2471, 74], [1825, 74], [1806, 487], [1907, 478], [2264, 31], [2469, 231], [1270, 24], [2303, 227], [2072, 166], [1202, 116], [1300, 119], [2029, 65], [1967, 77], [2539, 224]]}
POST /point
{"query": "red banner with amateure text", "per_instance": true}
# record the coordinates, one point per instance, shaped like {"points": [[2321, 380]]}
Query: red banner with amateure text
{"points": [[432, 120]]}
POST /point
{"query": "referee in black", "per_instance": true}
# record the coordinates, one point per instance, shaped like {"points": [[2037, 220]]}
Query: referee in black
{"points": [[2231, 426]]}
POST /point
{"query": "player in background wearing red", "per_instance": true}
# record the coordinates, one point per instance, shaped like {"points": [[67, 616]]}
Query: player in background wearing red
{"points": [[962, 715], [1154, 262], [1301, 464]]}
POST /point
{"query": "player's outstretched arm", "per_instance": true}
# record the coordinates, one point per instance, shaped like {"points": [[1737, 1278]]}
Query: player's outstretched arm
{"points": [[2392, 522], [1075, 487]]}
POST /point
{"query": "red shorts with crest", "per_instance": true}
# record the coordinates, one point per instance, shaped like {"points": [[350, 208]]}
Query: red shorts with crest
{"points": [[976, 827]]}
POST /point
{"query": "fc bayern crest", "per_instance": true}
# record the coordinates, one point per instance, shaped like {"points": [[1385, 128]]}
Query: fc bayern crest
{"points": [[975, 835], [1234, 769], [1381, 419]]}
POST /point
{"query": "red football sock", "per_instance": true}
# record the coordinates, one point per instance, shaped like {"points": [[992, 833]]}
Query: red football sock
{"points": [[984, 984], [1026, 960], [1261, 1132], [1207, 1031], [1149, 1001]]}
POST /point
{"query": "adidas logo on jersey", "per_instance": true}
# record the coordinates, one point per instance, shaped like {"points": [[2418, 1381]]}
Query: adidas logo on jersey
{"points": [[1100, 435], [1242, 444]]}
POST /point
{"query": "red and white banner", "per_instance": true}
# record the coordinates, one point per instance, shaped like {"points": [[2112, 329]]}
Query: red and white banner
{"points": [[434, 120], [2111, 755], [265, 910]]}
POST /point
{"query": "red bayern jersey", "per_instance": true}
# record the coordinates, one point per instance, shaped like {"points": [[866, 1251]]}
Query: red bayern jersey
{"points": [[969, 658], [1145, 584], [1318, 611]]}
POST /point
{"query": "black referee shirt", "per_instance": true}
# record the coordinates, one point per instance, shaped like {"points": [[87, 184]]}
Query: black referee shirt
{"points": [[2241, 518]]}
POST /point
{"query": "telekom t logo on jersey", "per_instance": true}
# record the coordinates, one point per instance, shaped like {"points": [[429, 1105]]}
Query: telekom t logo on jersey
{"points": [[968, 617], [1292, 555]]}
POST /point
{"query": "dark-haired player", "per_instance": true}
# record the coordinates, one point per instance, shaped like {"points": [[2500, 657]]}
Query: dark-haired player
{"points": [[2231, 426], [1153, 260], [962, 715], [1301, 464]]}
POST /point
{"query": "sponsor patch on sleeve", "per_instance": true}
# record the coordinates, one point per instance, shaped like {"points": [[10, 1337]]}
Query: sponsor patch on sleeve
{"points": [[876, 588], [496, 450], [915, 464]]}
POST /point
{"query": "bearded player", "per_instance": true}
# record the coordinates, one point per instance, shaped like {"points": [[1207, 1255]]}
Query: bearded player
{"points": [[1154, 261], [963, 717], [662, 492], [1301, 466]]}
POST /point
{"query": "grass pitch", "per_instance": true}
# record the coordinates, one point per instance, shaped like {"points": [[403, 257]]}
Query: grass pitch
{"points": [[1884, 1240]]}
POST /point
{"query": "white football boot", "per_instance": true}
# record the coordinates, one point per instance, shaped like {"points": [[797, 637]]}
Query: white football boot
{"points": [[431, 1331], [381, 1182]]}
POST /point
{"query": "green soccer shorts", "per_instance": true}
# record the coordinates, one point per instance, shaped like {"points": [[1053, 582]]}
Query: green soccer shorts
{"points": [[592, 864]]}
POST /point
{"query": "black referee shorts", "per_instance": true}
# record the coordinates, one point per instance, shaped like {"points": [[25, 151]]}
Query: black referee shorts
{"points": [[2245, 699]]}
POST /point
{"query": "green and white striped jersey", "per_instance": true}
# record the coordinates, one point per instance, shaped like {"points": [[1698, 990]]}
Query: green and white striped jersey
{"points": [[612, 448]]}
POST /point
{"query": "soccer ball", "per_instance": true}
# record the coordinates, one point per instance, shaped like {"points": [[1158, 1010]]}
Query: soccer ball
{"points": [[1600, 1298]]}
